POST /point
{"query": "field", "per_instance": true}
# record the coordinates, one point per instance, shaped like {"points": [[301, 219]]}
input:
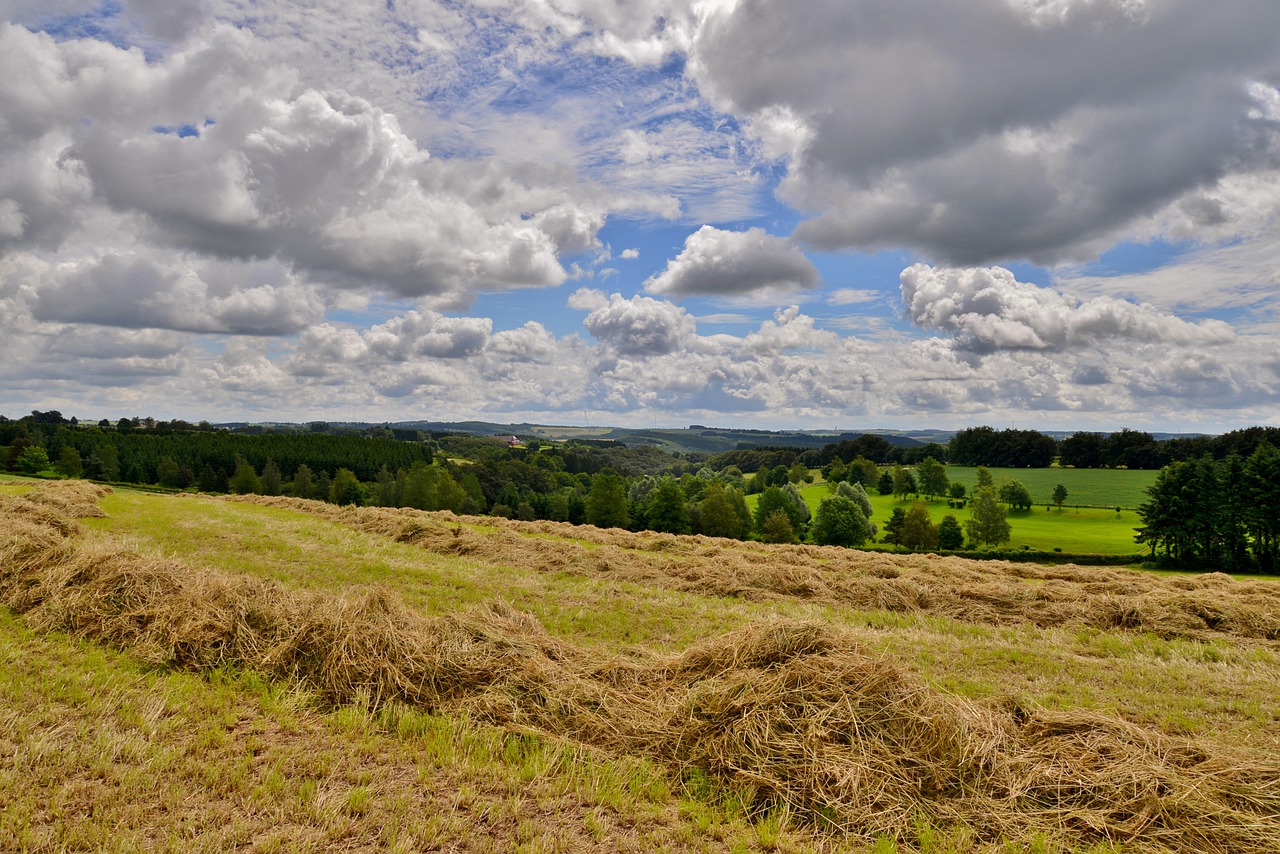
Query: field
{"points": [[198, 674], [1124, 488], [1086, 524]]}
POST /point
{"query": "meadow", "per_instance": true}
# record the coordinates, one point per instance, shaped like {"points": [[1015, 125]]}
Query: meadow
{"points": [[1087, 523], [197, 673]]}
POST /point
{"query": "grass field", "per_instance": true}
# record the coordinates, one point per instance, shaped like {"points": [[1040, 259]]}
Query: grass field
{"points": [[1095, 710], [1124, 488], [1074, 530]]}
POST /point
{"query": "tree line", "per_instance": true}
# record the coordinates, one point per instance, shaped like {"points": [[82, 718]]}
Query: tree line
{"points": [[1216, 514]]}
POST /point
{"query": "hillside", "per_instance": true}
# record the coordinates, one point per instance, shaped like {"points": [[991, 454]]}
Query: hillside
{"points": [[577, 688]]}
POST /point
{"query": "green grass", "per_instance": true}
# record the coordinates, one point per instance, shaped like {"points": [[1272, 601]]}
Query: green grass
{"points": [[1098, 487], [1074, 530]]}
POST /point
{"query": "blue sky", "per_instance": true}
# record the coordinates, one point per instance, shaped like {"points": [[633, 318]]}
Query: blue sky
{"points": [[1055, 213]]}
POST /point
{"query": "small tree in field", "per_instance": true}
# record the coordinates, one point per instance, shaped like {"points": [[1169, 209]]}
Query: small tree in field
{"points": [[1015, 495], [1059, 495], [918, 531], [840, 522], [950, 535], [987, 524], [777, 528]]}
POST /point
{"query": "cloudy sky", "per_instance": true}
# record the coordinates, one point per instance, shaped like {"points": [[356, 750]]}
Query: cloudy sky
{"points": [[1059, 214]]}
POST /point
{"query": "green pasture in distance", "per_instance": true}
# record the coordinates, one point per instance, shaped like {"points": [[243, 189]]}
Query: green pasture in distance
{"points": [[1125, 488], [1073, 530]]}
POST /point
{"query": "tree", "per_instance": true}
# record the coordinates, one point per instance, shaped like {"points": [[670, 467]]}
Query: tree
{"points": [[983, 476], [33, 460], [855, 493], [987, 523], [323, 486], [211, 479], [956, 492], [345, 488], [904, 482], [918, 531], [244, 480], [775, 498], [1261, 489], [271, 480], [1013, 493], [840, 522], [950, 535], [884, 484], [1059, 495], [109, 456], [667, 510], [69, 462], [777, 528], [893, 528], [303, 482], [722, 512], [933, 477], [797, 500], [607, 501], [169, 473]]}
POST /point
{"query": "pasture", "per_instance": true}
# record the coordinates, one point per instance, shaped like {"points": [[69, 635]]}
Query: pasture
{"points": [[199, 673]]}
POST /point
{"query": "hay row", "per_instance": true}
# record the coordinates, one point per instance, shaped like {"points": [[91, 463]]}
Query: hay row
{"points": [[989, 592], [797, 713]]}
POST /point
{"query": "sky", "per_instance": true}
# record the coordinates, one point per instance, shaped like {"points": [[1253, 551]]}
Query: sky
{"points": [[836, 214]]}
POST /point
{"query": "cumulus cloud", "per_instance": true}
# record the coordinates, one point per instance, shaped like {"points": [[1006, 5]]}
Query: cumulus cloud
{"points": [[641, 326], [212, 151], [741, 264], [145, 292], [990, 309], [991, 129]]}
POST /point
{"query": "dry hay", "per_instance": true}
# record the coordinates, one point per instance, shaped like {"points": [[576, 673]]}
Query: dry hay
{"points": [[795, 715], [990, 592]]}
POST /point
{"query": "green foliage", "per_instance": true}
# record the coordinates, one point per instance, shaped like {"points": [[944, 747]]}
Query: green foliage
{"points": [[303, 482], [667, 510], [607, 501], [987, 524], [950, 535], [884, 484], [33, 459], [1013, 493], [918, 532], [778, 499], [722, 512], [272, 481], [777, 528], [840, 521], [904, 482], [1215, 514], [1059, 496], [855, 493], [244, 480], [345, 488], [69, 462], [932, 476], [893, 528]]}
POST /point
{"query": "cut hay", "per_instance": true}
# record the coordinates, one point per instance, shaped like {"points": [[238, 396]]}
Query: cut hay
{"points": [[793, 715], [988, 592]]}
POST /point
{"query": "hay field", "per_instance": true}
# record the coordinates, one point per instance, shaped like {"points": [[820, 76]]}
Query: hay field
{"points": [[758, 698]]}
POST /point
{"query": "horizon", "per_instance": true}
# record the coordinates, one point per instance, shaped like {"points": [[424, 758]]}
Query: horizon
{"points": [[664, 213]]}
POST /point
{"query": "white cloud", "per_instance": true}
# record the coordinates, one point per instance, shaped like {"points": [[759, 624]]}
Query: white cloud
{"points": [[735, 264], [629, 254], [988, 130], [990, 309], [641, 326], [853, 296]]}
